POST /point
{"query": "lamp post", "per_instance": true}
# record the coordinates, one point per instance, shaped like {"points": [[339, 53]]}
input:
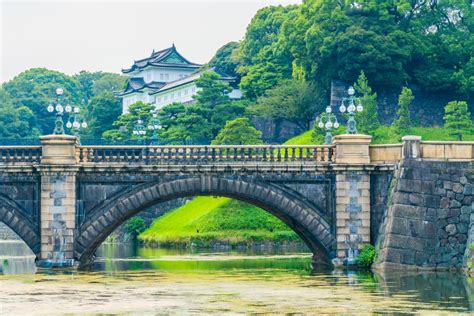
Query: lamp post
{"points": [[154, 125], [351, 110], [327, 120], [60, 109], [139, 130], [76, 122]]}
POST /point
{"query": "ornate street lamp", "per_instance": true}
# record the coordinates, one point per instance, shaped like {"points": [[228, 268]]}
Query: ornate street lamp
{"points": [[328, 121], [60, 109], [351, 110], [139, 130], [154, 126], [76, 122]]}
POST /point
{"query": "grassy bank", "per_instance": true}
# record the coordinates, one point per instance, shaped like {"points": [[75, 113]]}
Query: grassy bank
{"points": [[205, 221]]}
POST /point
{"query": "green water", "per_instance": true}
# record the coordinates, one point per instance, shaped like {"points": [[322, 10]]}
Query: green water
{"points": [[141, 281]]}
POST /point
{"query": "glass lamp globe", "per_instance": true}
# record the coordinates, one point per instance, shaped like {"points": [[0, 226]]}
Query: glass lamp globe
{"points": [[76, 109], [336, 124], [68, 124], [155, 115], [342, 108], [143, 132], [135, 132], [139, 121], [84, 124], [321, 125], [150, 126], [328, 109], [157, 126], [328, 124], [76, 124], [360, 108], [50, 108], [351, 90], [59, 108], [68, 108], [351, 108], [59, 91]]}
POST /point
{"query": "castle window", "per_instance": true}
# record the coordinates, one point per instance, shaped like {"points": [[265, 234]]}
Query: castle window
{"points": [[162, 77], [167, 77]]}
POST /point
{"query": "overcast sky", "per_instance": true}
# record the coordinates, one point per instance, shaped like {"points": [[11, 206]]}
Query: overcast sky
{"points": [[70, 36]]}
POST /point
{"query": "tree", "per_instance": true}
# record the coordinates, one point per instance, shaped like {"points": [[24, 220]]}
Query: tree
{"points": [[226, 59], [35, 89], [108, 82], [293, 100], [457, 118], [403, 123], [16, 122], [238, 132], [212, 91], [367, 120], [103, 110], [125, 123]]}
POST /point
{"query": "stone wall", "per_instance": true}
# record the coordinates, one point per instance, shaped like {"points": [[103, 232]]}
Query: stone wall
{"points": [[427, 222]]}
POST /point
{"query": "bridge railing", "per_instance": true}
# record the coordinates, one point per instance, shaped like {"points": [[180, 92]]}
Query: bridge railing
{"points": [[20, 154], [205, 154], [447, 150]]}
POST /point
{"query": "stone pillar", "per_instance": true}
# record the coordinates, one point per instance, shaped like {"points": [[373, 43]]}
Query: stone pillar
{"points": [[352, 196], [411, 147], [58, 200]]}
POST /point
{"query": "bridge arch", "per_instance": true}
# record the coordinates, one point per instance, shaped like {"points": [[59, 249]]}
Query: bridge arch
{"points": [[12, 215], [300, 216]]}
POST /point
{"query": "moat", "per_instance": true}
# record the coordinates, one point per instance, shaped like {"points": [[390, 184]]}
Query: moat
{"points": [[127, 279]]}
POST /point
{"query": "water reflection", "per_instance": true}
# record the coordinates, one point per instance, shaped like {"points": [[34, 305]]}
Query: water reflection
{"points": [[136, 280], [16, 258]]}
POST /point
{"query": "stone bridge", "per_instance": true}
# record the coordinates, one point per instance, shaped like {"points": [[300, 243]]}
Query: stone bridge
{"points": [[64, 199]]}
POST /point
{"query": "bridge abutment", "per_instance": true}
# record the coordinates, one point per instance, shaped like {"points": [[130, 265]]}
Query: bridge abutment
{"points": [[58, 200]]}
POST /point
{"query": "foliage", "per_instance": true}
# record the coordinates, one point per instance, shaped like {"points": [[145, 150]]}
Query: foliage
{"points": [[367, 120], [457, 118], [35, 89], [403, 123], [226, 59], [366, 256], [103, 110], [238, 132], [201, 121], [264, 59], [125, 123], [135, 226], [108, 82], [293, 100]]}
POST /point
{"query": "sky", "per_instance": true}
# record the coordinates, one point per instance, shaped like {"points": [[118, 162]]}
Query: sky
{"points": [[71, 36]]}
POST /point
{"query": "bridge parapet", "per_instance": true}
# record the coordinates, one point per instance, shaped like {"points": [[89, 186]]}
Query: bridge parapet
{"points": [[20, 155], [192, 155]]}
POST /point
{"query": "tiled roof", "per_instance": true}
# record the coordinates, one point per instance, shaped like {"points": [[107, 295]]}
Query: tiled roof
{"points": [[138, 84], [189, 79], [168, 57]]}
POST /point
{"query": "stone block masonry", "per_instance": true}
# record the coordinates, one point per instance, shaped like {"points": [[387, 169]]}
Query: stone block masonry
{"points": [[429, 216], [352, 213]]}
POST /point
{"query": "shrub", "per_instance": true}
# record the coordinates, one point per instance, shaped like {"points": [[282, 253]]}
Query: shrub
{"points": [[366, 256], [135, 226]]}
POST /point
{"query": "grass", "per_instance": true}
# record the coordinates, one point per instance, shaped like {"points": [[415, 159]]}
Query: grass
{"points": [[208, 220]]}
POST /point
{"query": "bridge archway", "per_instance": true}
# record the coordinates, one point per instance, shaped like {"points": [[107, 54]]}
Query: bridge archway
{"points": [[11, 214], [300, 216]]}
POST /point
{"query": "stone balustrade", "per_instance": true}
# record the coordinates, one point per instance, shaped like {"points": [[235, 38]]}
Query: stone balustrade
{"points": [[20, 154], [448, 151], [204, 154]]}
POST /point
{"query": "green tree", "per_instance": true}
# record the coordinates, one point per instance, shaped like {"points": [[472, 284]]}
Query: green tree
{"points": [[457, 118], [226, 59], [212, 91], [103, 110], [16, 122], [125, 123], [367, 120], [35, 89], [403, 123], [108, 82], [293, 100], [238, 132]]}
